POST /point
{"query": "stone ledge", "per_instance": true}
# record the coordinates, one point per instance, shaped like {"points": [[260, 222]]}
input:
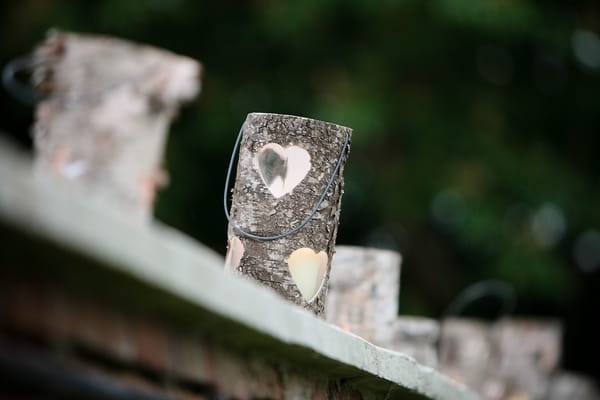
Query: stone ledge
{"points": [[186, 279]]}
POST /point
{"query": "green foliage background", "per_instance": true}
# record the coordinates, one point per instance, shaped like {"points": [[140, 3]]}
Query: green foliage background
{"points": [[476, 127]]}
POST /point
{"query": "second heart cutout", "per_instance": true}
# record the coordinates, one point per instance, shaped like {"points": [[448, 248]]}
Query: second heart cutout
{"points": [[308, 270], [282, 169]]}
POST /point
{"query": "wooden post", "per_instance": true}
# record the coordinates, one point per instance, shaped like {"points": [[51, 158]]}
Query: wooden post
{"points": [[364, 289], [285, 163], [105, 120]]}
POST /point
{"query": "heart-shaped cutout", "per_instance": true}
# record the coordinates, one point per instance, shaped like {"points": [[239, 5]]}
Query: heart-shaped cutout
{"points": [[308, 270], [282, 169], [235, 252]]}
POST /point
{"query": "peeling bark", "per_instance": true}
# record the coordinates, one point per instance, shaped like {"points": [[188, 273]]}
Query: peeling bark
{"points": [[269, 198], [105, 120]]}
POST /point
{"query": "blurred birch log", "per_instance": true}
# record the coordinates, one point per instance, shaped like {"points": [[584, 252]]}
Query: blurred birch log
{"points": [[364, 290], [568, 385], [513, 358], [285, 163], [104, 121], [466, 351], [416, 337], [528, 352]]}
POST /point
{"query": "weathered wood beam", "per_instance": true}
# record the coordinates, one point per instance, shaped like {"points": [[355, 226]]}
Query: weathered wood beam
{"points": [[151, 273]]}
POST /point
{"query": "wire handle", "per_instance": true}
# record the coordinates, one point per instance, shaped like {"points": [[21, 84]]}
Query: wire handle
{"points": [[481, 289], [503, 290], [12, 85], [306, 220]]}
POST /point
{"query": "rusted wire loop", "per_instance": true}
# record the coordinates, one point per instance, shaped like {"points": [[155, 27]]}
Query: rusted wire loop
{"points": [[310, 215], [16, 88]]}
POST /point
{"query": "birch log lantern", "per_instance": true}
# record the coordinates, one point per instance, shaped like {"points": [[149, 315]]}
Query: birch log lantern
{"points": [[104, 121], [285, 206]]}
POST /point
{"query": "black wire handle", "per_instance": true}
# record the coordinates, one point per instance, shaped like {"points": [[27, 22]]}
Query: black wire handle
{"points": [[481, 289], [308, 218], [476, 291], [12, 85]]}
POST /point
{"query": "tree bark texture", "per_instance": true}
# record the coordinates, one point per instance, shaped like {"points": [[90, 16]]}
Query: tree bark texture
{"points": [[364, 290], [284, 165], [104, 121]]}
